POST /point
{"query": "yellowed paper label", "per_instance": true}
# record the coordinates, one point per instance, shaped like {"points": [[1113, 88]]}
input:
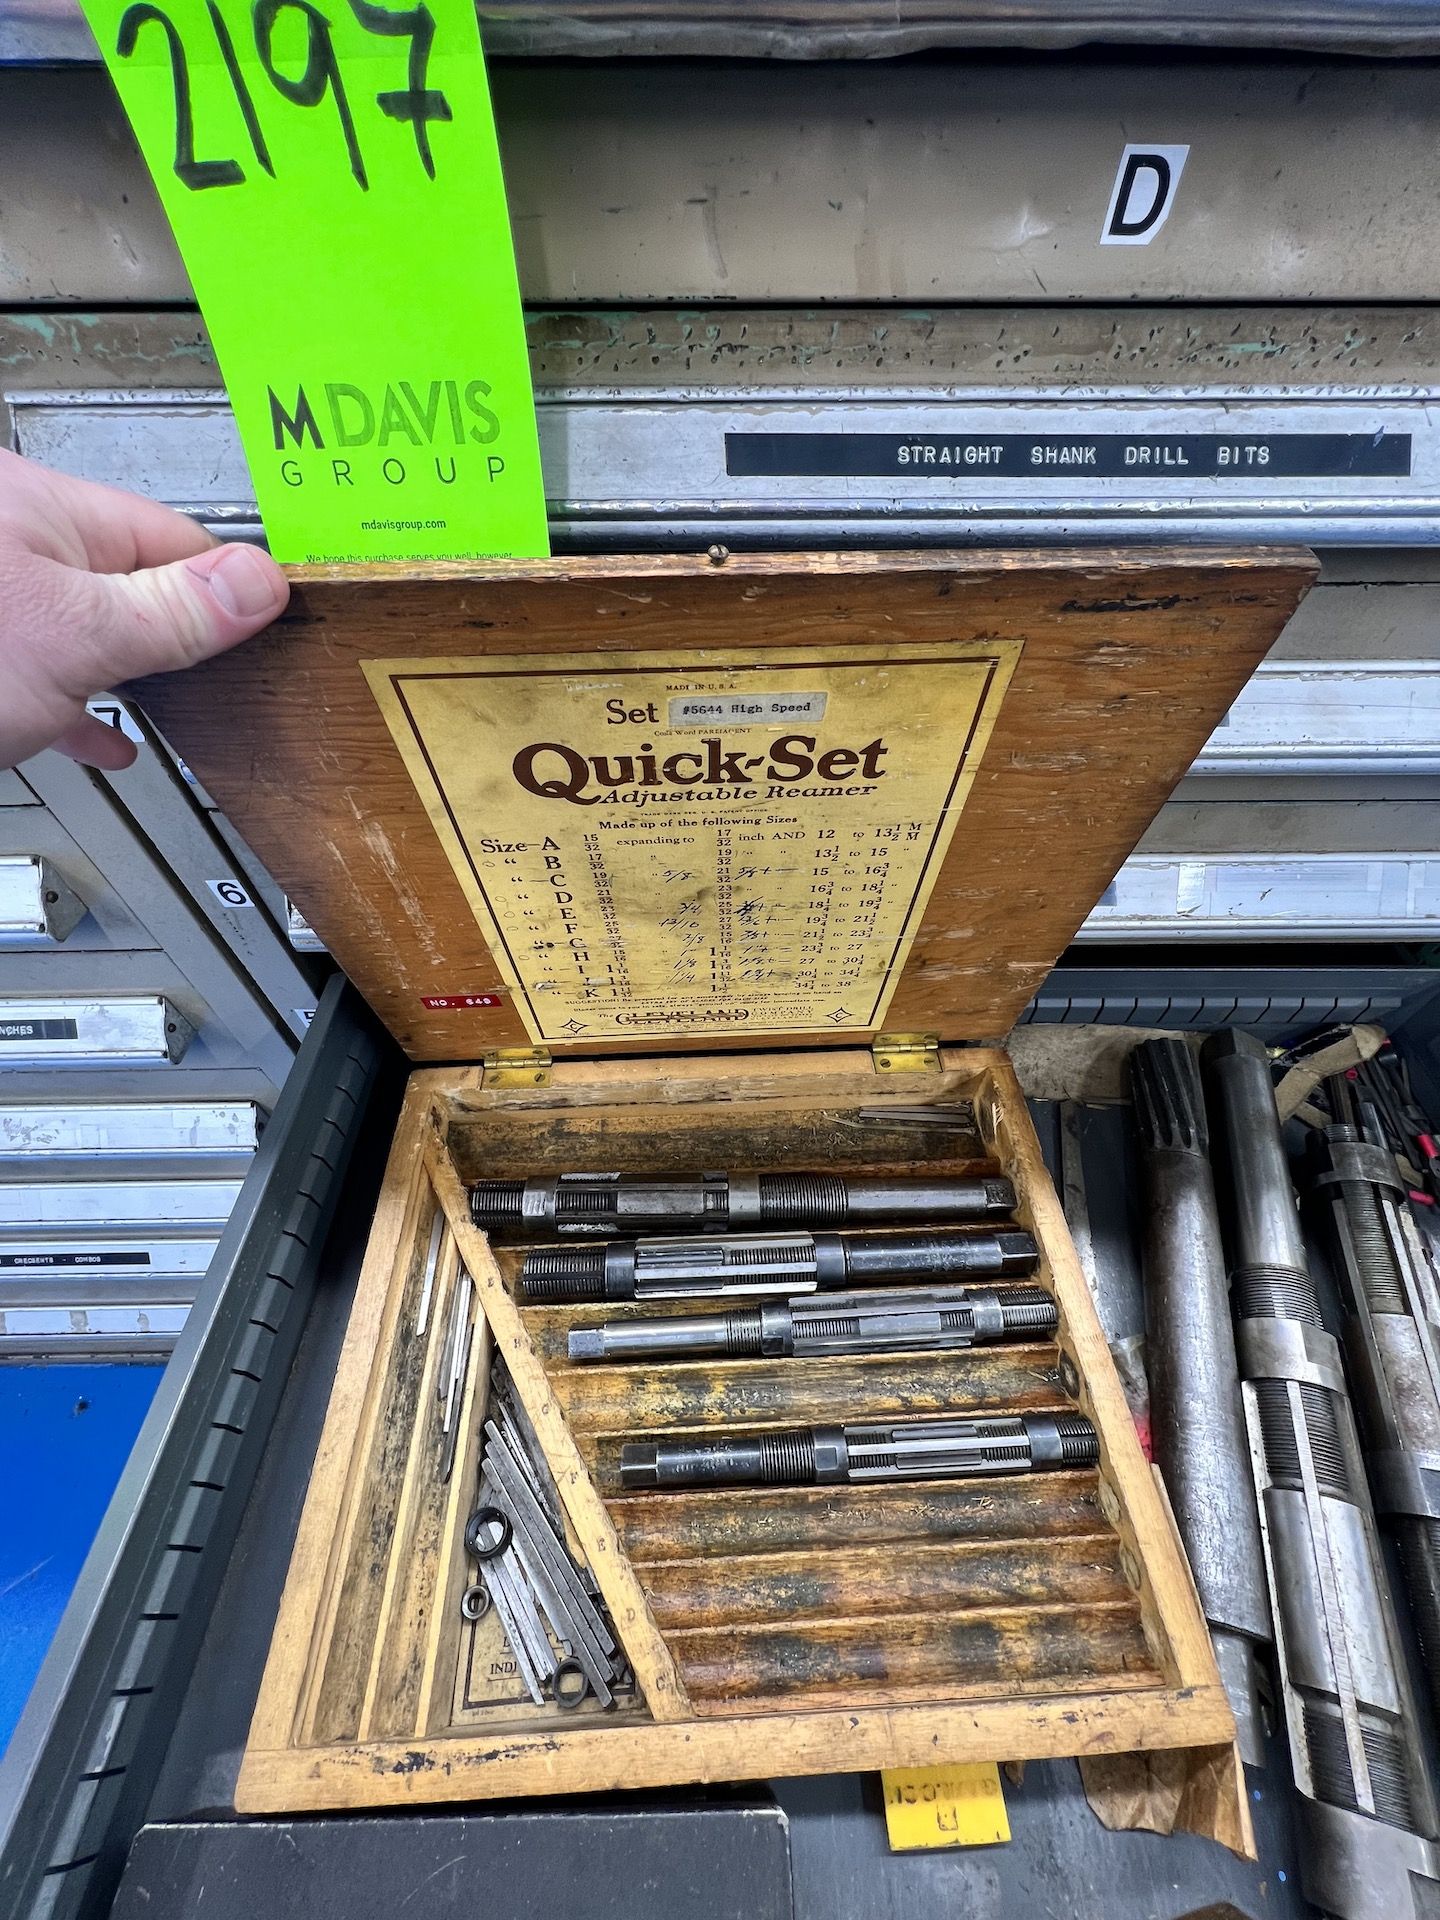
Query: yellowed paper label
{"points": [[735, 843]]}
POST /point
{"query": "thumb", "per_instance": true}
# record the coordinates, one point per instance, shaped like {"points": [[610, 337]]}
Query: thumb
{"points": [[160, 619]]}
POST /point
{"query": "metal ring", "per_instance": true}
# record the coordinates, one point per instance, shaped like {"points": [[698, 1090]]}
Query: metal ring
{"points": [[570, 1698], [486, 1517], [475, 1602]]}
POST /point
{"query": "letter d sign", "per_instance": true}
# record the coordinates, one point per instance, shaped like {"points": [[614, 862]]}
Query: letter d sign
{"points": [[1143, 195]]}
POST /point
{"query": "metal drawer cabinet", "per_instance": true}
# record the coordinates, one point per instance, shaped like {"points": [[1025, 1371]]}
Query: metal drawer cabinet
{"points": [[109, 1219], [83, 1762], [119, 896]]}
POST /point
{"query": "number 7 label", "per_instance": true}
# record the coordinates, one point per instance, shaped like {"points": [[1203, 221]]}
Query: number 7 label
{"points": [[333, 180]]}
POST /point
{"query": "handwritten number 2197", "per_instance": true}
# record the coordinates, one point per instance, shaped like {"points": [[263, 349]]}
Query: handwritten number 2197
{"points": [[415, 102]]}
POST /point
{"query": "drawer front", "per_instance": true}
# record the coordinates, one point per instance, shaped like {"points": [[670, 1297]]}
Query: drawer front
{"points": [[674, 467], [867, 181]]}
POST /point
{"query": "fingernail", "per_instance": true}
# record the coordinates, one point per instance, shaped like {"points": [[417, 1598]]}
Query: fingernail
{"points": [[242, 579]]}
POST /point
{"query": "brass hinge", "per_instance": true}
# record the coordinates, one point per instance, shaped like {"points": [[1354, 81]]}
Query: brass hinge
{"points": [[517, 1067], [906, 1052]]}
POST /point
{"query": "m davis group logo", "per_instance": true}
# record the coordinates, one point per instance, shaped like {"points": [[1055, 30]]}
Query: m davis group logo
{"points": [[431, 431]]}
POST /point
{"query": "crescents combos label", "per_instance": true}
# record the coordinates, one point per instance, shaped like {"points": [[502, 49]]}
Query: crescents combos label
{"points": [[741, 844]]}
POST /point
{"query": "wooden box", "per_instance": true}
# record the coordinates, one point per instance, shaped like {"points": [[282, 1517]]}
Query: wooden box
{"points": [[857, 807]]}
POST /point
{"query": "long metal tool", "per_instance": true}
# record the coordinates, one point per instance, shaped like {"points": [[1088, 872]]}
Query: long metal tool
{"points": [[607, 1203], [547, 1544], [550, 1574], [459, 1341], [1001, 1443], [427, 1285], [1366, 1807], [540, 1609], [1391, 1341], [524, 1445], [565, 1650], [902, 1320], [696, 1265], [511, 1605], [1121, 1320], [1197, 1417]]}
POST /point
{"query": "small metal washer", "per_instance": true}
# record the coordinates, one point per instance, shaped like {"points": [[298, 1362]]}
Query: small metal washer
{"points": [[475, 1602], [475, 1544]]}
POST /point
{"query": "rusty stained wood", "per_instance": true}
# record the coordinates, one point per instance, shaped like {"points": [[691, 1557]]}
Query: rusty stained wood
{"points": [[927, 1656], [659, 1398], [1130, 659], [653, 1112], [357, 1555], [893, 1576], [387, 1490], [609, 1757], [656, 1527], [301, 1647], [786, 1137]]}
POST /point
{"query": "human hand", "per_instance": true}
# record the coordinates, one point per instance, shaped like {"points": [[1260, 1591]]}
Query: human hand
{"points": [[98, 587]]}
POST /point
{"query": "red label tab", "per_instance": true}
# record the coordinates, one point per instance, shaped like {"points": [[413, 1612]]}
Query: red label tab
{"points": [[441, 1002]]}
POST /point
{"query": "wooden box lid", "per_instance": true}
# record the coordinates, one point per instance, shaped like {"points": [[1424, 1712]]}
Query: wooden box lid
{"points": [[650, 804]]}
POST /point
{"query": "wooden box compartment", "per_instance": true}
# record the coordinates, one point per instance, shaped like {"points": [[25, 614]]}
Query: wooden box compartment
{"points": [[772, 1630], [702, 834]]}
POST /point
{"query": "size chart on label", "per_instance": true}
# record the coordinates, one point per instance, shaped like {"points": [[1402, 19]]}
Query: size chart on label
{"points": [[744, 844]]}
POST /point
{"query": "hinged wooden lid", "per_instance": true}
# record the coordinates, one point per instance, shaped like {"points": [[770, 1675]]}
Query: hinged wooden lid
{"points": [[640, 805]]}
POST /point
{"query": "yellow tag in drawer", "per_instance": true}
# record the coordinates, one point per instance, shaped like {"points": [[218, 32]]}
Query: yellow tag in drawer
{"points": [[944, 1806]]}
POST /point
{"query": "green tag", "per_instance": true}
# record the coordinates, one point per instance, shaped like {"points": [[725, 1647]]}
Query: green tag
{"points": [[332, 177]]}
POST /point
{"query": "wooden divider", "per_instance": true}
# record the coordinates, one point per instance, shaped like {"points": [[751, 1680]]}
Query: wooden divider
{"points": [[645, 1648]]}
